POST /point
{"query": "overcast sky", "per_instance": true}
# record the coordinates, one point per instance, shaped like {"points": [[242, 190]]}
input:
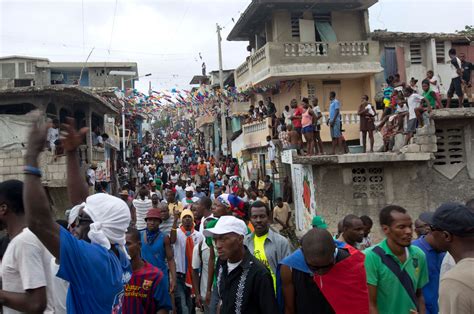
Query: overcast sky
{"points": [[166, 37]]}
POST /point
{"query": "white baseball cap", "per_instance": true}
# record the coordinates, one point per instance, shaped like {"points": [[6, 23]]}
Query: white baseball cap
{"points": [[227, 224]]}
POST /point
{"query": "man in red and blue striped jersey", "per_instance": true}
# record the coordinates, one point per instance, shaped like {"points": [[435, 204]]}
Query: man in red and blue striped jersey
{"points": [[146, 292]]}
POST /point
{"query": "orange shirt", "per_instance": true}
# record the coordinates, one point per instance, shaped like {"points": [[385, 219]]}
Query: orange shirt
{"points": [[202, 168]]}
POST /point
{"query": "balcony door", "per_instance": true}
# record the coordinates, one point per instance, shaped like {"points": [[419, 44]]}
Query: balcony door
{"points": [[327, 88], [307, 31]]}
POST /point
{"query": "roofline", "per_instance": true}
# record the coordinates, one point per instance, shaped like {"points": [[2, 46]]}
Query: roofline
{"points": [[384, 35], [89, 93], [23, 57], [255, 5], [88, 65]]}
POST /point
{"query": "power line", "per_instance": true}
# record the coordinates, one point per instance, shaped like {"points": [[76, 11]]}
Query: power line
{"points": [[113, 25], [83, 27]]}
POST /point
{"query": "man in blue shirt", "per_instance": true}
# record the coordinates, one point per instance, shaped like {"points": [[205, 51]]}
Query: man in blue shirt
{"points": [[334, 122], [93, 258], [434, 258]]}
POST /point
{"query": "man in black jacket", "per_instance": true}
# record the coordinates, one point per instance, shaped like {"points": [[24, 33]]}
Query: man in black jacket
{"points": [[244, 285]]}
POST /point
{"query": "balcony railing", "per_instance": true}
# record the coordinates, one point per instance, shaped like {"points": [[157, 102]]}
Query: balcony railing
{"points": [[258, 56], [286, 59], [255, 133], [354, 48], [306, 49], [242, 69]]}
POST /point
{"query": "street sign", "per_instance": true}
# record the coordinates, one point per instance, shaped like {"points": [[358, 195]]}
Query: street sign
{"points": [[168, 159]]}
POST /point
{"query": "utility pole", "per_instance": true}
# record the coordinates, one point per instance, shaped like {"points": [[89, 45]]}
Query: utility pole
{"points": [[223, 105]]}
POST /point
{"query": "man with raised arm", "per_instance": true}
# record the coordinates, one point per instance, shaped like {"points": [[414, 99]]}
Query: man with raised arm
{"points": [[92, 258]]}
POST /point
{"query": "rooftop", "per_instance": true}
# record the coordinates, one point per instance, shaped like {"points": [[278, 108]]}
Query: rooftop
{"points": [[453, 113], [23, 57], [104, 96], [261, 10], [384, 35], [358, 158], [72, 65]]}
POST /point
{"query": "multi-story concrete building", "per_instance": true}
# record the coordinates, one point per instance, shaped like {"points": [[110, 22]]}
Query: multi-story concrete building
{"points": [[413, 54], [85, 91], [20, 71], [315, 47]]}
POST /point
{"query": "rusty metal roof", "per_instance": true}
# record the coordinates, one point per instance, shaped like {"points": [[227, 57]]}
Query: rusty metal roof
{"points": [[384, 35], [103, 96]]}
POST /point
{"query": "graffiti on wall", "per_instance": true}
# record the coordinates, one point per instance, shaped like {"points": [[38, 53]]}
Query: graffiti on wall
{"points": [[304, 195]]}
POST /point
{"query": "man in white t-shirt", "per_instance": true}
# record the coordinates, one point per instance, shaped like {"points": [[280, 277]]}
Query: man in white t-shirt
{"points": [[414, 101], [26, 272], [456, 79], [91, 178]]}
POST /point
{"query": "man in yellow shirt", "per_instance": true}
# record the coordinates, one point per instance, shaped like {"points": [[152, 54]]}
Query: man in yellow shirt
{"points": [[173, 204], [266, 245]]}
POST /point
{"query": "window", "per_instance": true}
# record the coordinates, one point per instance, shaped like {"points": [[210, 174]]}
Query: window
{"points": [[450, 141], [440, 54], [415, 53], [295, 25], [311, 91], [8, 70], [368, 183], [23, 82], [29, 68]]}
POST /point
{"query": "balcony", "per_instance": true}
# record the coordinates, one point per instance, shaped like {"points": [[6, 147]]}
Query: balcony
{"points": [[350, 124], [255, 133], [239, 107], [311, 59], [204, 120]]}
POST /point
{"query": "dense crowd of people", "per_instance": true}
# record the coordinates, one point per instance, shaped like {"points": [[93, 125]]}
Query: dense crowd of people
{"points": [[406, 107], [186, 235]]}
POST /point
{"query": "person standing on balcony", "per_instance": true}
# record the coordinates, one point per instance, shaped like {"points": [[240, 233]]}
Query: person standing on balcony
{"points": [[271, 153], [456, 79], [334, 122], [367, 118], [262, 109], [467, 68], [317, 125], [296, 118], [308, 127], [287, 113]]}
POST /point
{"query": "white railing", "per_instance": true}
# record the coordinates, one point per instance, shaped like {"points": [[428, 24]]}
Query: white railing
{"points": [[258, 56], [353, 48], [313, 49], [98, 154], [242, 69], [256, 126], [347, 117]]}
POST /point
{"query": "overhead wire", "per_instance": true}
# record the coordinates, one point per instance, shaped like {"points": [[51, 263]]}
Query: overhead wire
{"points": [[113, 25]]}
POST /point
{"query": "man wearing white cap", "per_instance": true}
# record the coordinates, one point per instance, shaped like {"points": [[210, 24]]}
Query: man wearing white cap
{"points": [[189, 200], [244, 285], [93, 258]]}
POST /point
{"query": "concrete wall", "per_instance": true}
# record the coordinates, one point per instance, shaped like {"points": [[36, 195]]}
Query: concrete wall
{"points": [[281, 26], [415, 186], [349, 25]]}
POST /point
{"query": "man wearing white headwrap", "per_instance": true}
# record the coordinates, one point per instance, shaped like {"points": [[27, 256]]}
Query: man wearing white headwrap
{"points": [[92, 258]]}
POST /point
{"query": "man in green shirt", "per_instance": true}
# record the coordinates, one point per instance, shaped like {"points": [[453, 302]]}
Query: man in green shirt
{"points": [[387, 294]]}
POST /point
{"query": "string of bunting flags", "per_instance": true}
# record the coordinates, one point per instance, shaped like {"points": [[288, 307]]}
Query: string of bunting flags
{"points": [[198, 101]]}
